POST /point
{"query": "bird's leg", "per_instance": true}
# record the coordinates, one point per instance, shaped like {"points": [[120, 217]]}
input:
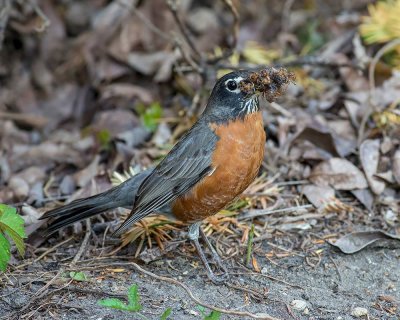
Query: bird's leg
{"points": [[194, 232], [214, 253]]}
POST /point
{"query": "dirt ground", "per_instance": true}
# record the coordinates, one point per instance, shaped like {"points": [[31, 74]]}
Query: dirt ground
{"points": [[331, 289]]}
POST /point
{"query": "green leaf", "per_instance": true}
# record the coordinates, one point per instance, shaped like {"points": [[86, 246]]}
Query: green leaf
{"points": [[12, 225], [151, 115], [166, 314], [5, 253], [113, 303], [214, 315], [202, 310], [104, 137], [78, 276], [133, 298]]}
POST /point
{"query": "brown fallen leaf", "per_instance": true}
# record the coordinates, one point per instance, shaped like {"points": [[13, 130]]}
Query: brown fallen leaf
{"points": [[44, 154], [128, 91], [84, 176], [152, 63], [326, 139], [356, 241], [338, 173], [369, 157], [26, 119]]}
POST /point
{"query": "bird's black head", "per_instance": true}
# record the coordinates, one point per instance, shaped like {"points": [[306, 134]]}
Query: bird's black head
{"points": [[228, 101]]}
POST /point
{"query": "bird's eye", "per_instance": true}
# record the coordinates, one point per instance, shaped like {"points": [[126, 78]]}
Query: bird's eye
{"points": [[231, 85]]}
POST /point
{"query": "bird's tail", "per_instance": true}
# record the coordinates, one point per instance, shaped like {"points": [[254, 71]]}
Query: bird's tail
{"points": [[119, 196], [78, 210]]}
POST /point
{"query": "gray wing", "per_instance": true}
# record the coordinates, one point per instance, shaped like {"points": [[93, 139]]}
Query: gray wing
{"points": [[186, 164]]}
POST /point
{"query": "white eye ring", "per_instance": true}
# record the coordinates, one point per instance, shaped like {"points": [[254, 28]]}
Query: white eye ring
{"points": [[236, 81]]}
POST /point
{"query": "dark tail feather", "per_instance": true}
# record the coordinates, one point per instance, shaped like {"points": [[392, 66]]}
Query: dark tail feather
{"points": [[120, 196], [78, 210]]}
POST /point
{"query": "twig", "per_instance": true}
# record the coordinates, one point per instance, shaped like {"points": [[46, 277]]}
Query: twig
{"points": [[313, 61], [150, 25], [254, 293], [268, 277], [371, 70], [337, 268], [188, 58], [250, 245], [257, 213], [45, 20], [174, 10], [83, 244], [43, 290], [371, 75], [196, 300], [45, 253], [280, 109], [236, 22]]}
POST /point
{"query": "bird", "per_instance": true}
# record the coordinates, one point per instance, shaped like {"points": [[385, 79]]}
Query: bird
{"points": [[210, 165]]}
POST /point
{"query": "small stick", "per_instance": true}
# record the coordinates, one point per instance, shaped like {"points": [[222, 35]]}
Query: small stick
{"points": [[174, 10], [256, 213], [250, 245], [83, 244], [263, 316]]}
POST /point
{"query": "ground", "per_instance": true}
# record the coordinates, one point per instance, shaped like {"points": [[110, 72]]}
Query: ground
{"points": [[331, 288]]}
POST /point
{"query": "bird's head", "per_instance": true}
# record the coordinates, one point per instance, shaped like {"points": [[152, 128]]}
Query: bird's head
{"points": [[236, 94]]}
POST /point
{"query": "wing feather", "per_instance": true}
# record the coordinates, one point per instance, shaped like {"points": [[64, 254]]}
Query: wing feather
{"points": [[186, 164]]}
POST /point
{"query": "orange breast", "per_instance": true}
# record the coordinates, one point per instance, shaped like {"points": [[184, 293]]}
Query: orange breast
{"points": [[236, 161]]}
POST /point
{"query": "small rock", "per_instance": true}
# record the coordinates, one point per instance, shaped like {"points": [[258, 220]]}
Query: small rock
{"points": [[390, 217], [299, 305], [359, 312], [193, 313], [264, 270]]}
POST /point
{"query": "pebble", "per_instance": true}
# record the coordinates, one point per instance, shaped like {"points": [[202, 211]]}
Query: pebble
{"points": [[299, 305], [359, 312]]}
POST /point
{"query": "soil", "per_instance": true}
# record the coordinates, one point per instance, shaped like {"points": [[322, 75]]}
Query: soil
{"points": [[331, 288]]}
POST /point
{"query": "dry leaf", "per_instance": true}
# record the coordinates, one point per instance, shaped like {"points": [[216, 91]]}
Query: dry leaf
{"points": [[338, 173], [356, 241], [318, 195], [255, 264], [396, 166], [369, 156], [365, 196], [85, 175]]}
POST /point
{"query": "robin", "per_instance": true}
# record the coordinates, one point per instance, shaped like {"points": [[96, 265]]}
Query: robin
{"points": [[213, 163]]}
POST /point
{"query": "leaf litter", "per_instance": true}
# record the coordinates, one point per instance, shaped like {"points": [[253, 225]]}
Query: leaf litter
{"points": [[107, 86]]}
